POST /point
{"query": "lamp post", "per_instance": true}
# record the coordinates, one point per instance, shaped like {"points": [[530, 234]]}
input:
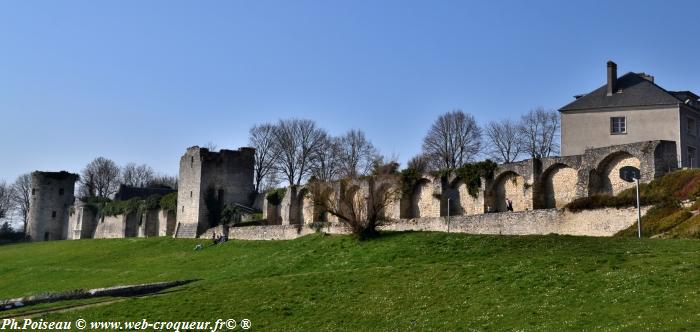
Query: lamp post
{"points": [[448, 215], [639, 212], [632, 174]]}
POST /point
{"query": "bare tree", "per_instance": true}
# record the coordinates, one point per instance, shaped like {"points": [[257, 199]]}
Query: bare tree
{"points": [[21, 191], [362, 213], [211, 146], [262, 138], [137, 175], [356, 154], [271, 181], [296, 141], [162, 180], [325, 162], [421, 163], [539, 130], [505, 141], [385, 165], [100, 178], [6, 203], [453, 140]]}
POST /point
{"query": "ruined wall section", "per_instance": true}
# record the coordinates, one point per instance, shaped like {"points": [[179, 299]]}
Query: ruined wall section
{"points": [[598, 222], [51, 200], [166, 222], [117, 227], [514, 181], [82, 222]]}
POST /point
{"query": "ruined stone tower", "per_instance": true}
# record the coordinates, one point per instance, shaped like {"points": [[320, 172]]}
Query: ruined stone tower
{"points": [[209, 181], [51, 200]]}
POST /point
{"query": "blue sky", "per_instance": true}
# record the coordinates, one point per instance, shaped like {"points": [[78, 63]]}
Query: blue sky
{"points": [[142, 80]]}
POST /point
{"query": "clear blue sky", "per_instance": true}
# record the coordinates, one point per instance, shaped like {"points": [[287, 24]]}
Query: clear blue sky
{"points": [[142, 80]]}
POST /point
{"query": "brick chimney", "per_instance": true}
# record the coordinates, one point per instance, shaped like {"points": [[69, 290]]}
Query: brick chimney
{"points": [[612, 78]]}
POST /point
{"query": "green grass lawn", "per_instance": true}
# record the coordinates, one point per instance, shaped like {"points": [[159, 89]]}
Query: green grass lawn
{"points": [[401, 281]]}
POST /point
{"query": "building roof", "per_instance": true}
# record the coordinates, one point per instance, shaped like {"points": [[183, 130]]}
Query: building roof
{"points": [[632, 90]]}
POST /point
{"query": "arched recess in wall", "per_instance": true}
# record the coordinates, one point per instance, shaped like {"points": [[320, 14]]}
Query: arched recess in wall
{"points": [[131, 227], [509, 185], [305, 207], [351, 204], [382, 203], [422, 199], [452, 191], [558, 185], [605, 179]]}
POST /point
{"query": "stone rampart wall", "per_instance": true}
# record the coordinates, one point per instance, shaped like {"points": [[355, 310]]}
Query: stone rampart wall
{"points": [[599, 222]]}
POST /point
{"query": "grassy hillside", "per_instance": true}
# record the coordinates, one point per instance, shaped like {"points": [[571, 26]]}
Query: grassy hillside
{"points": [[426, 281]]}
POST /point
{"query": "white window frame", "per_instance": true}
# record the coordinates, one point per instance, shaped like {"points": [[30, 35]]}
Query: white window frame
{"points": [[612, 125]]}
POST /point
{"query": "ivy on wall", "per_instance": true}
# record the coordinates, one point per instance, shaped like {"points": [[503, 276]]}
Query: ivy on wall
{"points": [[275, 197], [471, 175], [103, 207]]}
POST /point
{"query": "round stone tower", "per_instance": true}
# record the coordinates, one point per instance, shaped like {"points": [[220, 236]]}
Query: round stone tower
{"points": [[51, 198]]}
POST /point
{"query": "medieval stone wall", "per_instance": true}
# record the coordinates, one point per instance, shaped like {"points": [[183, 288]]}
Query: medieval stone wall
{"points": [[166, 223], [530, 184], [559, 186], [599, 222], [148, 224], [81, 223], [112, 227]]}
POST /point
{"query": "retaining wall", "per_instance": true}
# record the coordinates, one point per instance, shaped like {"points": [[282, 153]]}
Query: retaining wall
{"points": [[599, 222]]}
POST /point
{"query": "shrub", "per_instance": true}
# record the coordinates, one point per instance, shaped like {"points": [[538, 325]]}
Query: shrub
{"points": [[114, 208], [652, 217], [695, 206], [681, 184], [690, 228], [8, 235], [602, 201], [169, 202], [666, 223], [276, 196], [229, 215], [409, 178], [471, 175]]}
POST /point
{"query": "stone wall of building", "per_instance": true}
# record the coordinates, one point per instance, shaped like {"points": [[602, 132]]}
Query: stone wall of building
{"points": [[51, 200]]}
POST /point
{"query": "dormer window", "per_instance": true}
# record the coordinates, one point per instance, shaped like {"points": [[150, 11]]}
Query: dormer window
{"points": [[618, 125]]}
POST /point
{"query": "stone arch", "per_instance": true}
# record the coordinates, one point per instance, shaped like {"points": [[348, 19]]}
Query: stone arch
{"points": [[452, 190], [305, 210], [423, 202], [510, 185], [558, 185], [387, 211], [351, 203], [605, 178]]}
